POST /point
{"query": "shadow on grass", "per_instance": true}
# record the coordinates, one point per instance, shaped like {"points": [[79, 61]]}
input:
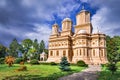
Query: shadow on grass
{"points": [[107, 75]]}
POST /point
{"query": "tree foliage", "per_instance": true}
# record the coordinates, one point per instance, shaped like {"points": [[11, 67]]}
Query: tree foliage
{"points": [[113, 54], [42, 46], [27, 43], [64, 65], [13, 48], [113, 49], [2, 51]]}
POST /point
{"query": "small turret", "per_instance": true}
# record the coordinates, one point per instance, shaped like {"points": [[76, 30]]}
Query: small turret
{"points": [[55, 29]]}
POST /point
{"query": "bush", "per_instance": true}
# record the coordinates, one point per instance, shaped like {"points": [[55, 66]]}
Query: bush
{"points": [[81, 63], [2, 60], [18, 60], [112, 67], [22, 68], [9, 60], [105, 65], [34, 61], [53, 63]]}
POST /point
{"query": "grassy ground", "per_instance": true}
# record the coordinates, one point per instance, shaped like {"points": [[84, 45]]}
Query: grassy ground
{"points": [[39, 71], [106, 74]]}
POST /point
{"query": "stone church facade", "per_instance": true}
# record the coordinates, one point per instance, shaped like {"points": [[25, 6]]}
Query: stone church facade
{"points": [[79, 45]]}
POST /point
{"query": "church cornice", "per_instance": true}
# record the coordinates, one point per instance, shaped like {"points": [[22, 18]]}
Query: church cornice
{"points": [[82, 25]]}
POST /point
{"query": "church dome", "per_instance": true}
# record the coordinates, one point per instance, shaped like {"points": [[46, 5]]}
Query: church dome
{"points": [[82, 31], [67, 19]]}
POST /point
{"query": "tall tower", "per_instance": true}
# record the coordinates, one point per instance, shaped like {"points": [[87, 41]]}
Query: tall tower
{"points": [[83, 21], [66, 27]]}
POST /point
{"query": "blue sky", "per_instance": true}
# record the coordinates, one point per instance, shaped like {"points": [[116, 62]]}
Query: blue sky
{"points": [[33, 19]]}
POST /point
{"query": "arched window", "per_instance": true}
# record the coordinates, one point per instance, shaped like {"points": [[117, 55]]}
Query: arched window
{"points": [[64, 53], [57, 53], [51, 53], [93, 52]]}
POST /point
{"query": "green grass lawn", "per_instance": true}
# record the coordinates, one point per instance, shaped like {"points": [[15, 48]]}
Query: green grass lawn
{"points": [[39, 71], [105, 74]]}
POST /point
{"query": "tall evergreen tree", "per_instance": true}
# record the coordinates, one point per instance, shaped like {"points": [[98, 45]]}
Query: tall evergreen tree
{"points": [[64, 65], [13, 48], [36, 45], [2, 51], [42, 46]]}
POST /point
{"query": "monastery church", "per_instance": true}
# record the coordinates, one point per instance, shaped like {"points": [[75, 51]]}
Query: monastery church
{"points": [[79, 45]]}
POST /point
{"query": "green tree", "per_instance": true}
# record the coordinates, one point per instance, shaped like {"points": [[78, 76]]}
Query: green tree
{"points": [[42, 46], [2, 51], [32, 53], [26, 45], [64, 65], [36, 47], [112, 53], [13, 48], [35, 44], [112, 49]]}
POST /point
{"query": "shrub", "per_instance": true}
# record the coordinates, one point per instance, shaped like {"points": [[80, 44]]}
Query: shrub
{"points": [[2, 60], [64, 65], [105, 65], [22, 68], [34, 61], [53, 63], [112, 67], [9, 60], [18, 60], [81, 63], [21, 63]]}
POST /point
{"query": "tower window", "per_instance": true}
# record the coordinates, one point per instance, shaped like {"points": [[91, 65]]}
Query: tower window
{"points": [[84, 52], [80, 52], [51, 53], [57, 53], [64, 53], [101, 52], [93, 52]]}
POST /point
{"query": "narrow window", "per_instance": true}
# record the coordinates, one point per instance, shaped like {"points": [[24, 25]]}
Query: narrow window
{"points": [[51, 53], [64, 53], [93, 52], [101, 52], [80, 52], [57, 53]]}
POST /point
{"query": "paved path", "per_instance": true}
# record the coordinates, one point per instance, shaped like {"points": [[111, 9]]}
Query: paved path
{"points": [[87, 74]]}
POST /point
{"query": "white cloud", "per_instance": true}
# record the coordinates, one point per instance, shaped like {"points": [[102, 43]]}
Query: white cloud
{"points": [[107, 16], [46, 9], [42, 32]]}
